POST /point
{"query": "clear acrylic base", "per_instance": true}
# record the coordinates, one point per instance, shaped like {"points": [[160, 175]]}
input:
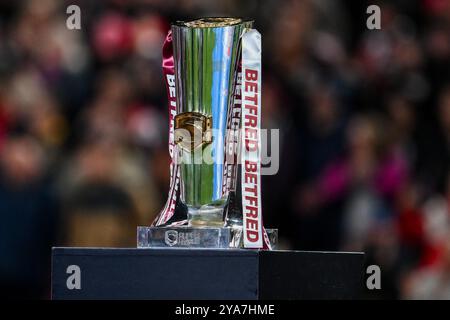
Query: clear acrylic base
{"points": [[194, 237]]}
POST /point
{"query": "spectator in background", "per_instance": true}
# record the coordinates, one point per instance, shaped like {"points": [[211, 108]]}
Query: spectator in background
{"points": [[29, 214], [433, 282], [98, 210]]}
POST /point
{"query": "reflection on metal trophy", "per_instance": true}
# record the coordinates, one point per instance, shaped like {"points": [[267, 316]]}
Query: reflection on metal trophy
{"points": [[206, 56]]}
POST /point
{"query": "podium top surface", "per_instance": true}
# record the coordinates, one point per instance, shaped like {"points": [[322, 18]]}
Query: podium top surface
{"points": [[184, 251]]}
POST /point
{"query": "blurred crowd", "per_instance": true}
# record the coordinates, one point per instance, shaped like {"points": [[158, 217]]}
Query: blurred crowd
{"points": [[364, 119]]}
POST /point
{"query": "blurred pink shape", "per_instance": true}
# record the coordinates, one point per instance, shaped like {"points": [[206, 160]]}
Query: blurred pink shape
{"points": [[392, 174], [112, 36], [334, 181]]}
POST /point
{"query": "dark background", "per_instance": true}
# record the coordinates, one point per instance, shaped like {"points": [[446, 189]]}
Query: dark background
{"points": [[364, 117]]}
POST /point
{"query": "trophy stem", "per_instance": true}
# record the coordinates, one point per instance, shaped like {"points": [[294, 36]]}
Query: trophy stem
{"points": [[211, 216]]}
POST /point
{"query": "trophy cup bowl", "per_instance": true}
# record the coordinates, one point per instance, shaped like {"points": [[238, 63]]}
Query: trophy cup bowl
{"points": [[206, 53]]}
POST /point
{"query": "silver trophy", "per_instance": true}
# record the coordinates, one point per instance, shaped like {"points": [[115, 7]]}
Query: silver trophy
{"points": [[206, 54]]}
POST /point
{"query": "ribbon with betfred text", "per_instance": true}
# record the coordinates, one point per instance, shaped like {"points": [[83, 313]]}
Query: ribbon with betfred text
{"points": [[169, 78], [254, 233]]}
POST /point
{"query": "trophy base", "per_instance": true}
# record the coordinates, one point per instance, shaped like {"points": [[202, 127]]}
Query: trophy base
{"points": [[194, 237]]}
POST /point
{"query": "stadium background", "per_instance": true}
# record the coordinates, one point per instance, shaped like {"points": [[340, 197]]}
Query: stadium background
{"points": [[364, 118]]}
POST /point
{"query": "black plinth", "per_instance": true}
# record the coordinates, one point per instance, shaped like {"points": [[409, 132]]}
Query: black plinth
{"points": [[205, 274]]}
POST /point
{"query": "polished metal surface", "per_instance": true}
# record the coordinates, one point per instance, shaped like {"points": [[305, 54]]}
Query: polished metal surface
{"points": [[206, 56]]}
